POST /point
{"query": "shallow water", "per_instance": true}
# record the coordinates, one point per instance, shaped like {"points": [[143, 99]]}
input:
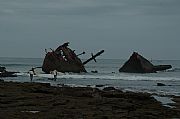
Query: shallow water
{"points": [[164, 100], [105, 67]]}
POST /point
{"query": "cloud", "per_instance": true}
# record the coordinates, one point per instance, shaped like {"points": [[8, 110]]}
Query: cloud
{"points": [[113, 25]]}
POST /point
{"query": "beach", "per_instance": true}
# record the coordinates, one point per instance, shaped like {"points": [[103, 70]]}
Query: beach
{"points": [[40, 100], [111, 59]]}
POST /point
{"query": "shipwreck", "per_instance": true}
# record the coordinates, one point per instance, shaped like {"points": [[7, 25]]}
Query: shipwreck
{"points": [[63, 59], [139, 64]]}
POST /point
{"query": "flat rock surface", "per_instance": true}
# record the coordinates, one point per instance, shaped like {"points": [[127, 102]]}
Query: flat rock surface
{"points": [[42, 101]]}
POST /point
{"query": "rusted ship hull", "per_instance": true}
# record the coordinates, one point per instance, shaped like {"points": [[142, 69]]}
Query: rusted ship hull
{"points": [[138, 64], [63, 59], [52, 62], [162, 67]]}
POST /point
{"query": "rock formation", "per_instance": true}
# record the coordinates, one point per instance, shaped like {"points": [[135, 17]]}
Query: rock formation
{"points": [[4, 73]]}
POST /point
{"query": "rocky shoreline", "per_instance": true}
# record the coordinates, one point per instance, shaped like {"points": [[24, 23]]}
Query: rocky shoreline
{"points": [[42, 101]]}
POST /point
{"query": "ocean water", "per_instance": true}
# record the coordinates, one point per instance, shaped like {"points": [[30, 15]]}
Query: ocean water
{"points": [[108, 75]]}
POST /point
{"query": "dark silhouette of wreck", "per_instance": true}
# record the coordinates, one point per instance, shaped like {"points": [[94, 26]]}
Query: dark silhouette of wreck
{"points": [[63, 59], [138, 64]]}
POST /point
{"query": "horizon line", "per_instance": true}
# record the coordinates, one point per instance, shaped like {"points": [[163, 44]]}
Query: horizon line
{"points": [[87, 58]]}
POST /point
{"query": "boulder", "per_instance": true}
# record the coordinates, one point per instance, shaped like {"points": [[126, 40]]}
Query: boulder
{"points": [[161, 84], [4, 73]]}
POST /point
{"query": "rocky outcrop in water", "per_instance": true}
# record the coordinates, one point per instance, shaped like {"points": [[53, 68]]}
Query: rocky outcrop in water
{"points": [[5, 73]]}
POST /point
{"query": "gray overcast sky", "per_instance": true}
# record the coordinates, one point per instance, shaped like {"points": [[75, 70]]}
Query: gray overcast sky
{"points": [[150, 27]]}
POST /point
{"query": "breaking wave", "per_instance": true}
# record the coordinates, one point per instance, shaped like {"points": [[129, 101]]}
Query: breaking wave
{"points": [[174, 70], [105, 76], [15, 65]]}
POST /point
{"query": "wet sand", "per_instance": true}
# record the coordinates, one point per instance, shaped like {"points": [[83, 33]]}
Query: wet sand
{"points": [[42, 101]]}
